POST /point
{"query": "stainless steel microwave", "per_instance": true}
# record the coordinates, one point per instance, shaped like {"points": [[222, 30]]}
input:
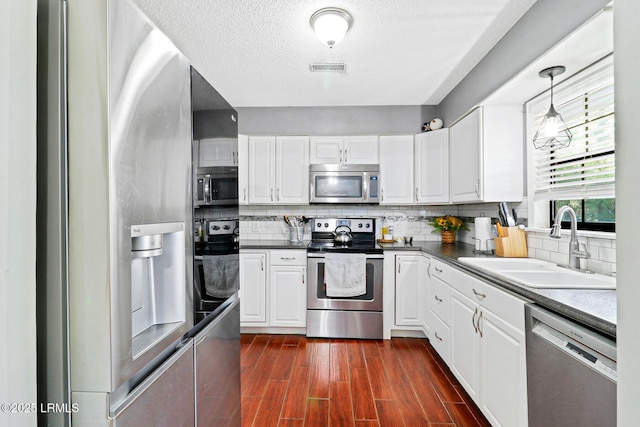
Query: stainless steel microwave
{"points": [[216, 186], [344, 184]]}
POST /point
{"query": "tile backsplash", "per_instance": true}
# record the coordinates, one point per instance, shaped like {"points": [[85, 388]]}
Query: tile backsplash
{"points": [[602, 251], [267, 223]]}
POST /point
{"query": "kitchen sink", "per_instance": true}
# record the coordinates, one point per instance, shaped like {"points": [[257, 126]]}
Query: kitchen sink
{"points": [[540, 274]]}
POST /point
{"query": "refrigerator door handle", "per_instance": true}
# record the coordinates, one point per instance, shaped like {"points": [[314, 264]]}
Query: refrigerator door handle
{"points": [[201, 335], [117, 409]]}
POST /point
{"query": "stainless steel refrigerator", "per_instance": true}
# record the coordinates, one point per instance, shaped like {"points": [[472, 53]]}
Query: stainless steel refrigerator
{"points": [[116, 336]]}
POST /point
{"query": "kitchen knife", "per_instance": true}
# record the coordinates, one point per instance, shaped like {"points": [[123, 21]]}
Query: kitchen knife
{"points": [[502, 220]]}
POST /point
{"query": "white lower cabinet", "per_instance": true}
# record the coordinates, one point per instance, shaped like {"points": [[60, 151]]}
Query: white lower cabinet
{"points": [[273, 290], [411, 275], [488, 354], [438, 310], [253, 288], [288, 289]]}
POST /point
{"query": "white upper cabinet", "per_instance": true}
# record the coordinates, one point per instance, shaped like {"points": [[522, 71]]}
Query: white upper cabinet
{"points": [[361, 150], [278, 170], [396, 170], [432, 167], [344, 150], [218, 152], [292, 169], [243, 169], [262, 172], [486, 155]]}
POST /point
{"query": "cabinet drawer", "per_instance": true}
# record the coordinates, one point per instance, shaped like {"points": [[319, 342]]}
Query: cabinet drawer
{"points": [[288, 257], [439, 299], [502, 303], [440, 270], [440, 337]]}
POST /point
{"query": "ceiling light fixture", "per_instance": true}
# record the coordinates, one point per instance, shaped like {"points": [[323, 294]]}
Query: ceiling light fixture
{"points": [[553, 132], [330, 25]]}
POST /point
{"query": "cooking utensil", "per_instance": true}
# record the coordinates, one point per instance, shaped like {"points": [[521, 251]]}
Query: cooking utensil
{"points": [[509, 221], [502, 220], [342, 235]]}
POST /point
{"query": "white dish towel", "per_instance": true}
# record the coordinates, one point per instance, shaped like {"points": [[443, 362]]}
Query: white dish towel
{"points": [[345, 275]]}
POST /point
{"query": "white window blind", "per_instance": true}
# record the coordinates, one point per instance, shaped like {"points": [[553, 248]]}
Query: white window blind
{"points": [[585, 169]]}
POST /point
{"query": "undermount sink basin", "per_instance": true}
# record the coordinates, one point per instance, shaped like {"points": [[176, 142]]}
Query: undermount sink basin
{"points": [[540, 274]]}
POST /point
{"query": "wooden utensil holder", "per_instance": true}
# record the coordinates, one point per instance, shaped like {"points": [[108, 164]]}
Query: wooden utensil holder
{"points": [[513, 244]]}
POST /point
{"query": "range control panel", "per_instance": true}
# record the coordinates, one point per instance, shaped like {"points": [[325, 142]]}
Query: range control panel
{"points": [[357, 225]]}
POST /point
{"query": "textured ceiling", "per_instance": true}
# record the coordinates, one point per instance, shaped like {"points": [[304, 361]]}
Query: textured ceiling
{"points": [[398, 52]]}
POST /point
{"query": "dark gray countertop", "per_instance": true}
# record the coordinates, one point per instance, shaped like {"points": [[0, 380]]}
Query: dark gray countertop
{"points": [[594, 308]]}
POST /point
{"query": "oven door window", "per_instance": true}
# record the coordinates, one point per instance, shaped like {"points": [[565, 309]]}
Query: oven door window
{"points": [[321, 290], [224, 188], [339, 186]]}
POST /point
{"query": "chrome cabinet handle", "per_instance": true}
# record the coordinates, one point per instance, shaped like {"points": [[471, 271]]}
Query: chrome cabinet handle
{"points": [[416, 194], [346, 157], [429, 270], [439, 271], [278, 194], [271, 194], [473, 320], [477, 188], [261, 264], [438, 299], [479, 324], [478, 294], [245, 194], [304, 273], [341, 156], [399, 267], [287, 258], [437, 337], [382, 196]]}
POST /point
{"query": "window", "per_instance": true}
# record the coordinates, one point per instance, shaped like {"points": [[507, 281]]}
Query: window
{"points": [[583, 174]]}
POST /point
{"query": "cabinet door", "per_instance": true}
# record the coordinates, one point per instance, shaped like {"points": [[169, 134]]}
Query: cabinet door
{"points": [[361, 150], [326, 150], [503, 393], [262, 169], [243, 169], [465, 345], [396, 170], [432, 167], [465, 147], [292, 170], [288, 296], [253, 288], [218, 152], [410, 274]]}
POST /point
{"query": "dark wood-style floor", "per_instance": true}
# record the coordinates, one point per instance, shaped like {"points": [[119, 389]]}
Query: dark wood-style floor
{"points": [[290, 380]]}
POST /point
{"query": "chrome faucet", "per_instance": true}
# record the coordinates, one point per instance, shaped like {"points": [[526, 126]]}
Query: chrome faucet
{"points": [[574, 246]]}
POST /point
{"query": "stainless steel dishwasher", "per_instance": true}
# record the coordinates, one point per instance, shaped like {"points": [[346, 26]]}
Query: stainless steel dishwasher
{"points": [[571, 373]]}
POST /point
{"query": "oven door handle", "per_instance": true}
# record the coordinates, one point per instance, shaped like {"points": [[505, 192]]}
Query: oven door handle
{"points": [[322, 255]]}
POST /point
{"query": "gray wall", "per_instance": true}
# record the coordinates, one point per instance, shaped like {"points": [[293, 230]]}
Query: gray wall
{"points": [[545, 24], [379, 120], [627, 69]]}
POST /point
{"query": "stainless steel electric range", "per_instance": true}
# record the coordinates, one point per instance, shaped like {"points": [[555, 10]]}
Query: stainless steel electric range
{"points": [[354, 312]]}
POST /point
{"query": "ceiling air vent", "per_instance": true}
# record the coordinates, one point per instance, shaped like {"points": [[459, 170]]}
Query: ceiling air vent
{"points": [[336, 67]]}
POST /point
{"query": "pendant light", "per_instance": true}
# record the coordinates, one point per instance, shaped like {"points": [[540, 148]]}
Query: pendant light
{"points": [[553, 132], [330, 25]]}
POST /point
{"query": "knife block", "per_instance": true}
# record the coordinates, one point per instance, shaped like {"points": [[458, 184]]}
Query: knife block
{"points": [[513, 244]]}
